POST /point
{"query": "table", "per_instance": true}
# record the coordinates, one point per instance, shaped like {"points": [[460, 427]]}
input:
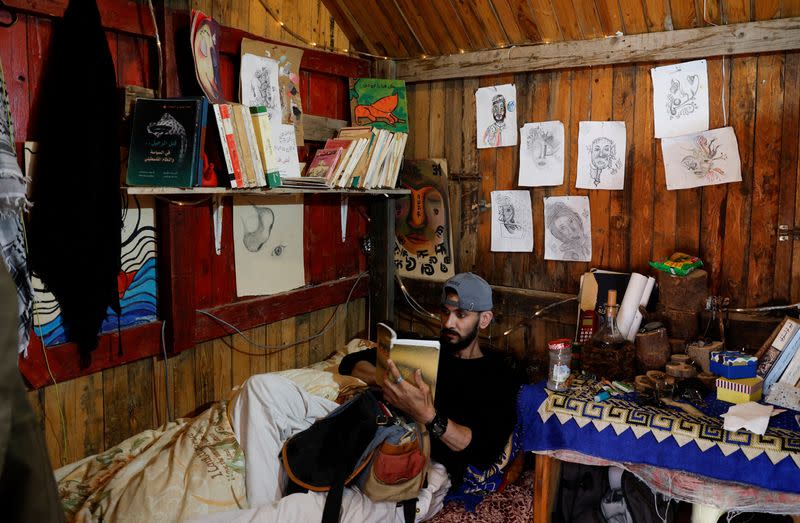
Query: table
{"points": [[684, 455]]}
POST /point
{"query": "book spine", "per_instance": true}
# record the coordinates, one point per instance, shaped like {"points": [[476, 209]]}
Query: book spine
{"points": [[261, 125], [226, 153], [201, 141], [240, 135], [230, 139], [258, 166], [791, 375]]}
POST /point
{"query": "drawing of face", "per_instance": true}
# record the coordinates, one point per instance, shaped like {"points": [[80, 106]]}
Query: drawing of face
{"points": [[565, 224], [602, 152], [499, 108], [507, 213], [421, 219]]}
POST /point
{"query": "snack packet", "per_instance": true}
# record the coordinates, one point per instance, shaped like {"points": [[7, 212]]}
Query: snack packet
{"points": [[679, 264]]}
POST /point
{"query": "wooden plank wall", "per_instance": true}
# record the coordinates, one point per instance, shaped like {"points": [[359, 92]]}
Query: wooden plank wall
{"points": [[92, 413], [732, 227]]}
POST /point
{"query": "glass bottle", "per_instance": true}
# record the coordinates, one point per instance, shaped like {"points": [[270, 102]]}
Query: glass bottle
{"points": [[609, 335]]}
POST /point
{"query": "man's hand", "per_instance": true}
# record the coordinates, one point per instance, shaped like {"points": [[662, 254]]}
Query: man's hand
{"points": [[415, 401]]}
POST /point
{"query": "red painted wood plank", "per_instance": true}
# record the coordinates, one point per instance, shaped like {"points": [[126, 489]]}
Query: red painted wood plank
{"points": [[319, 61], [138, 342], [133, 61], [40, 32], [126, 16], [14, 56], [252, 312], [325, 94]]}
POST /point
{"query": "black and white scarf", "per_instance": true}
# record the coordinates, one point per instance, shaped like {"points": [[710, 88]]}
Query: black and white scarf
{"points": [[13, 186]]}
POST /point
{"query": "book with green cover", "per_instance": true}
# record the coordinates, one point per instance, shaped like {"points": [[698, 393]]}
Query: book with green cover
{"points": [[165, 142], [408, 355]]}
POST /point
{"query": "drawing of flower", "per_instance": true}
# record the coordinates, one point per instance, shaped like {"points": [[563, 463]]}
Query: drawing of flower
{"points": [[701, 159]]}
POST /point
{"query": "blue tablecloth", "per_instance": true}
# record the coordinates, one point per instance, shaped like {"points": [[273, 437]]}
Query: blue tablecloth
{"points": [[621, 430]]}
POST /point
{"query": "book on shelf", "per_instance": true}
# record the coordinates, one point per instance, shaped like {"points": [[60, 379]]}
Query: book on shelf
{"points": [[249, 163], [231, 141], [408, 355], [166, 142], [263, 130], [324, 163], [226, 153], [252, 142], [782, 350]]}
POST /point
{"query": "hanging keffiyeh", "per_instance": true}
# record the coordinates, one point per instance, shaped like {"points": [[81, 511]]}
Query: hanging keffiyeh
{"points": [[12, 202]]}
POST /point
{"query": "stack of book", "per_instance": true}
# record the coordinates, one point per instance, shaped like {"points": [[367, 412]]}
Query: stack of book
{"points": [[247, 148], [360, 157]]}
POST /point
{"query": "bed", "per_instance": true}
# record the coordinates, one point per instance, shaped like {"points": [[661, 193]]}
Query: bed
{"points": [[187, 468]]}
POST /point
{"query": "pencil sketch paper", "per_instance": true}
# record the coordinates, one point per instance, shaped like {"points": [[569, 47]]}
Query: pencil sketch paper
{"points": [[286, 151], [567, 228], [680, 98], [496, 109], [601, 155], [259, 85], [541, 154], [267, 245], [707, 158], [512, 221]]}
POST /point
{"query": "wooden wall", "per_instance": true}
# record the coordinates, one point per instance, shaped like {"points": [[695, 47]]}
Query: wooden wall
{"points": [[306, 18], [731, 227], [89, 414]]}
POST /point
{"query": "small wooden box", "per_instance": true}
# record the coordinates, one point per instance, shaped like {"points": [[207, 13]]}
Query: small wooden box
{"points": [[739, 391]]}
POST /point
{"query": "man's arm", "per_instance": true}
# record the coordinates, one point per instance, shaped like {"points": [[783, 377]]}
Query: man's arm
{"points": [[416, 402]]}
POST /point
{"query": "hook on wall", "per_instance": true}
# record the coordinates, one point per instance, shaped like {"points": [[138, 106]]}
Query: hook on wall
{"points": [[12, 15]]}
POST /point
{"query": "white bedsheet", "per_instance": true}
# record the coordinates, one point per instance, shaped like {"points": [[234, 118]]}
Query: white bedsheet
{"points": [[265, 413]]}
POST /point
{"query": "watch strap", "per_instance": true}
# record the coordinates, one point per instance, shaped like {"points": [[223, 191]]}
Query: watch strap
{"points": [[437, 426]]}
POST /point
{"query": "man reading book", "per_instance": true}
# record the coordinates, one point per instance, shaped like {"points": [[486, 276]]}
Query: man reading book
{"points": [[475, 408]]}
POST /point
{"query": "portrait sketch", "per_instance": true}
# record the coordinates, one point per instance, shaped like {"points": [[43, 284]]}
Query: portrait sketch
{"points": [[541, 154], [424, 248], [680, 98], [512, 221], [267, 245], [259, 85], [567, 228], [205, 51], [707, 158], [496, 112], [601, 155]]}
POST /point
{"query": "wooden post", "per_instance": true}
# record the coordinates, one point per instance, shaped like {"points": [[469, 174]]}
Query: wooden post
{"points": [[545, 487], [381, 261]]}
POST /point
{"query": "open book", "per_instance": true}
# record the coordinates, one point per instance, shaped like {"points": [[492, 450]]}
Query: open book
{"points": [[408, 356]]}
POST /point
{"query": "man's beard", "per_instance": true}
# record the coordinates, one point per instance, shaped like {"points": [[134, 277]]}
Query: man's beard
{"points": [[462, 343]]}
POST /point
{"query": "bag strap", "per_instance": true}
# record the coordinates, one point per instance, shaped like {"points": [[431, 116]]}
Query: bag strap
{"points": [[333, 501], [409, 510]]}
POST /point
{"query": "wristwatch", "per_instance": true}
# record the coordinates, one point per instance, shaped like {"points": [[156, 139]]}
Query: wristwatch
{"points": [[437, 426]]}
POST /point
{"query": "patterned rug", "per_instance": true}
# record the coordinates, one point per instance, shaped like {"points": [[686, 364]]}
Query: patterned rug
{"points": [[513, 505]]}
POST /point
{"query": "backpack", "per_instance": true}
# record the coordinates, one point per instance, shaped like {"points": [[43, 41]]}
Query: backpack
{"points": [[360, 443]]}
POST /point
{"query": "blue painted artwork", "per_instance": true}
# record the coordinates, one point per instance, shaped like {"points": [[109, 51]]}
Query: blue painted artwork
{"points": [[136, 280]]}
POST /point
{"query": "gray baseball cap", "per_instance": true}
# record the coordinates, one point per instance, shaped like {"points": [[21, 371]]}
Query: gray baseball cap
{"points": [[474, 293]]}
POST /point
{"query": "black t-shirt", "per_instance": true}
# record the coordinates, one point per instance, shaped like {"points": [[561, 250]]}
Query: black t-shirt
{"points": [[479, 393]]}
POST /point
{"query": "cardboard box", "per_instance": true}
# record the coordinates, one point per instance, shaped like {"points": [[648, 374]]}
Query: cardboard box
{"points": [[739, 391], [733, 364]]}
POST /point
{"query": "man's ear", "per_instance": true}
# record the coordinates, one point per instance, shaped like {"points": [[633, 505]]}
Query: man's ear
{"points": [[485, 319]]}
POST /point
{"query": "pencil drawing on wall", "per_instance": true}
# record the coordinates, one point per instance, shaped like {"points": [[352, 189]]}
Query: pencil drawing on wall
{"points": [[268, 245], [601, 155], [512, 224], [707, 158], [541, 154], [259, 85], [680, 98], [567, 228], [496, 113]]}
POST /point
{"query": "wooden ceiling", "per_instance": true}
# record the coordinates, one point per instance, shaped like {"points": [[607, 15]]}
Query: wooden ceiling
{"points": [[417, 28]]}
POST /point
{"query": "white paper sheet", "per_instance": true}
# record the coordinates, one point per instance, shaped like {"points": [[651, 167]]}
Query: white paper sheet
{"points": [[680, 98], [259, 85], [707, 158], [567, 228], [496, 113], [637, 293], [286, 150], [601, 155], [750, 416], [512, 221], [267, 244], [541, 154]]}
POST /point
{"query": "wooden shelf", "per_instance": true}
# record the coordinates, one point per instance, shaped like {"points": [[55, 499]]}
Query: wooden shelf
{"points": [[180, 191]]}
